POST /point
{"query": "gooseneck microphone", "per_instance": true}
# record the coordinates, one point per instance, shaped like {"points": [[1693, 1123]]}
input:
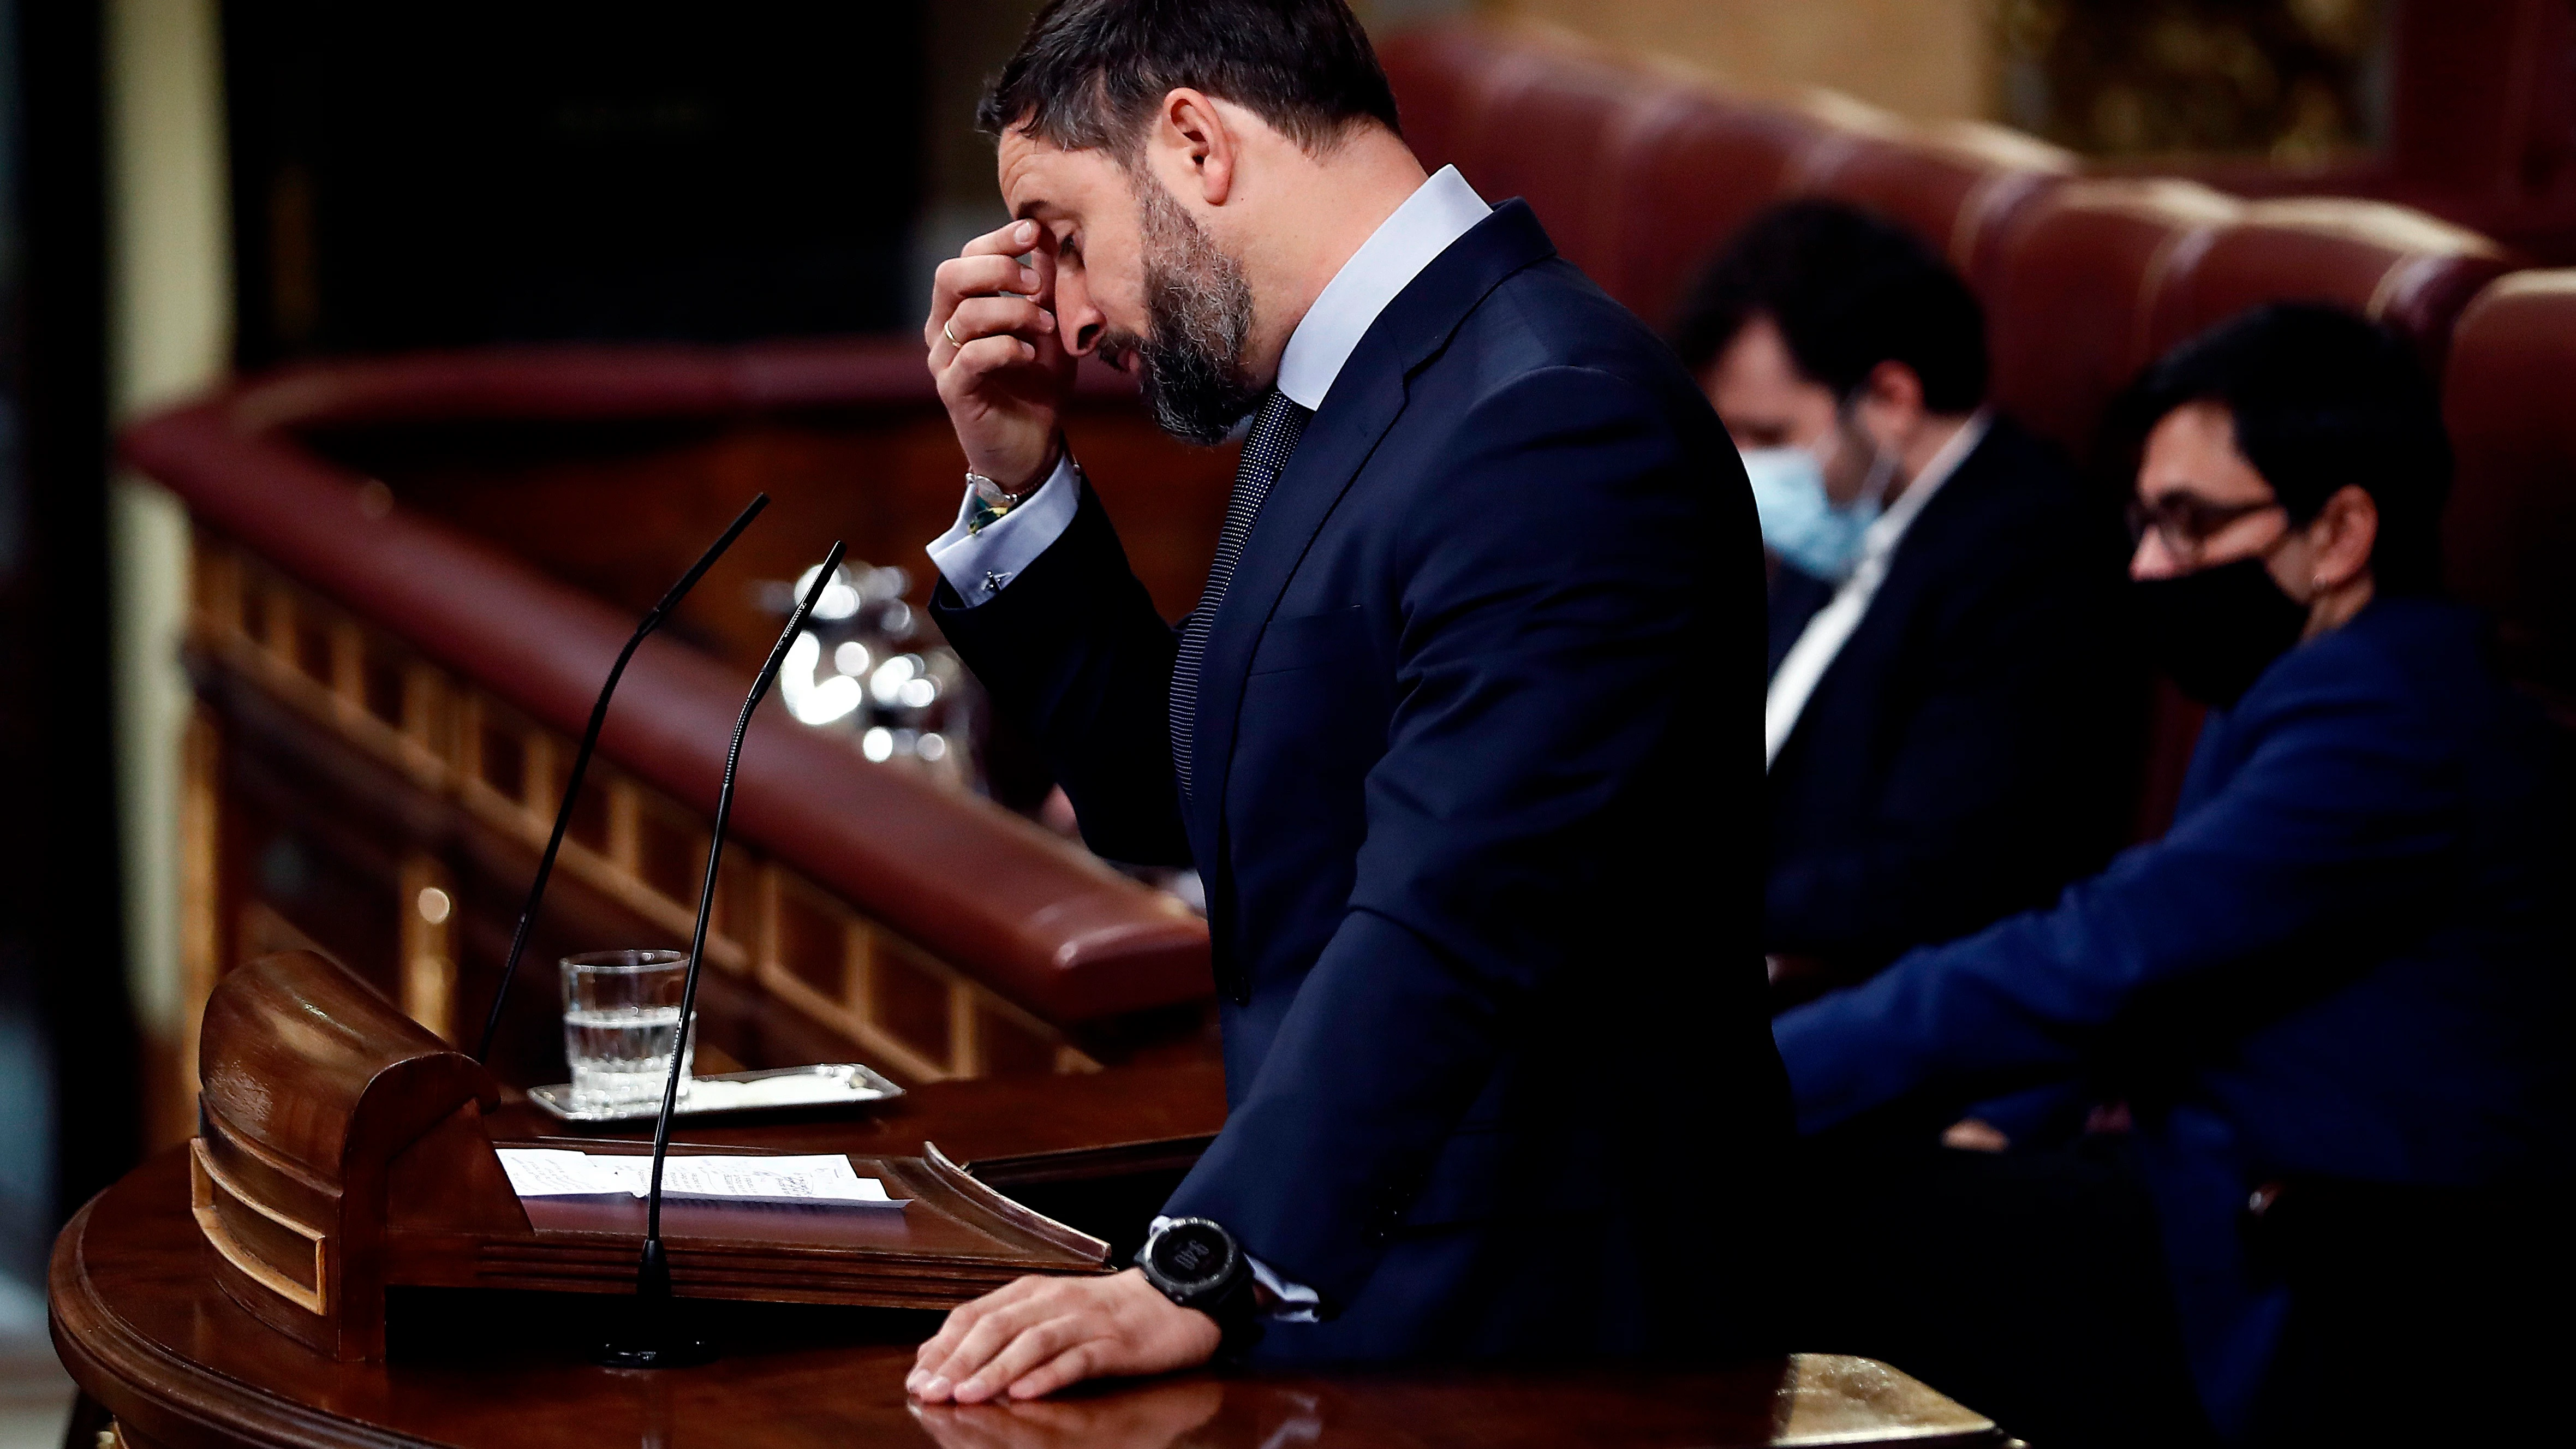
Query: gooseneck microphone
{"points": [[581, 763], [652, 1339]]}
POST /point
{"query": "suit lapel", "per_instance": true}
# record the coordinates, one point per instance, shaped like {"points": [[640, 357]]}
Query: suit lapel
{"points": [[1364, 402]]}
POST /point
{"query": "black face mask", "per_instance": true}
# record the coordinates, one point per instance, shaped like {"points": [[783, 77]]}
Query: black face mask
{"points": [[2216, 630]]}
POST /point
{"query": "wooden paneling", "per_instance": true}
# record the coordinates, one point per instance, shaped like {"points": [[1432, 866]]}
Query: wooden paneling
{"points": [[621, 508], [354, 798]]}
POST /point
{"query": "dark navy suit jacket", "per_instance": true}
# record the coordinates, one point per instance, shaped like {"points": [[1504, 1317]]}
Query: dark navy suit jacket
{"points": [[1474, 780], [1971, 748], [2348, 958]]}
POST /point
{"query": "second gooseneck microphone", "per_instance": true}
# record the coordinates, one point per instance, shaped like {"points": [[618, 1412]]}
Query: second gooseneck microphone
{"points": [[652, 1339]]}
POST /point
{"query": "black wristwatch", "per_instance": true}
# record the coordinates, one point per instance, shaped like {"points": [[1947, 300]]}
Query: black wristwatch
{"points": [[1197, 1264]]}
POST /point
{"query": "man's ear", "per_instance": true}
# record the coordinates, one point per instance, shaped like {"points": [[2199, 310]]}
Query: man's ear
{"points": [[1891, 403], [1895, 387], [1191, 147], [2342, 536]]}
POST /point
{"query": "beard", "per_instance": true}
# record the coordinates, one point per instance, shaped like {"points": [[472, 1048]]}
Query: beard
{"points": [[1198, 310]]}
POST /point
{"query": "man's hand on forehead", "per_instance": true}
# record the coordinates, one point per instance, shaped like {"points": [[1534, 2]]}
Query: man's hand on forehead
{"points": [[994, 346]]}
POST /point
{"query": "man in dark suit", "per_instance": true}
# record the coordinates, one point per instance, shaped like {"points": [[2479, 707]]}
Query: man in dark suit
{"points": [[1456, 736], [1950, 723]]}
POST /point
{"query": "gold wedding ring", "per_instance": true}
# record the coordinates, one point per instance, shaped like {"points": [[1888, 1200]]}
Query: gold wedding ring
{"points": [[951, 336]]}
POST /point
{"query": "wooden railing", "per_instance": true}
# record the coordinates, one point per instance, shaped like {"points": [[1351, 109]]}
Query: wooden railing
{"points": [[387, 704]]}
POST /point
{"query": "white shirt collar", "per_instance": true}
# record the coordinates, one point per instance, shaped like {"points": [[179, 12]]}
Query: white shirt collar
{"points": [[1441, 210], [1831, 627], [1888, 530]]}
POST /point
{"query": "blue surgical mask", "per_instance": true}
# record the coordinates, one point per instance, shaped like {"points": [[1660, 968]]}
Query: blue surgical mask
{"points": [[1799, 521]]}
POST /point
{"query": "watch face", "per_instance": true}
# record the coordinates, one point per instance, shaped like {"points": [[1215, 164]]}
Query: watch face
{"points": [[1193, 1253]]}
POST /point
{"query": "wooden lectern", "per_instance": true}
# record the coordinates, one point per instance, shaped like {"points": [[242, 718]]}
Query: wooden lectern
{"points": [[346, 1152], [341, 1150]]}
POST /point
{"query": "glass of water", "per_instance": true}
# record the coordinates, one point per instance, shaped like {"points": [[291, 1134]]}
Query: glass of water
{"points": [[621, 1011]]}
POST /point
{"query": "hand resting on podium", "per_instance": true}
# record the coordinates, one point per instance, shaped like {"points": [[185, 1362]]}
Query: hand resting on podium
{"points": [[1155, 1416], [1039, 1334]]}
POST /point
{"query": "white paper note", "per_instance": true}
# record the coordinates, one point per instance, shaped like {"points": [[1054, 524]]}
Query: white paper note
{"points": [[797, 1179], [817, 1181], [544, 1172]]}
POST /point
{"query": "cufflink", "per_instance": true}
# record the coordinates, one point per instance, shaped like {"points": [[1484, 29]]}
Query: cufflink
{"points": [[994, 579]]}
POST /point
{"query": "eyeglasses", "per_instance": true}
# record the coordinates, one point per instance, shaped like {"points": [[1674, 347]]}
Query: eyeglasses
{"points": [[2185, 523]]}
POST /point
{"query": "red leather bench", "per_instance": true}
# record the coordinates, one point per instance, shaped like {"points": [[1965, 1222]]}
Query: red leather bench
{"points": [[1641, 170], [2510, 398], [2097, 278]]}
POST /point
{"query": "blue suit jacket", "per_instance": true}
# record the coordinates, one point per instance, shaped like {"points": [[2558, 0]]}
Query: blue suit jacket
{"points": [[1967, 753], [1475, 777], [2348, 958]]}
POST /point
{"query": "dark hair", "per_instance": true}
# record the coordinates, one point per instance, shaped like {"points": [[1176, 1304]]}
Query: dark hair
{"points": [[1848, 290], [2321, 399], [1090, 71]]}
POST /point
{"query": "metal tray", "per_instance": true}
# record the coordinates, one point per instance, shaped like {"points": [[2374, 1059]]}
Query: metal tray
{"points": [[833, 1084]]}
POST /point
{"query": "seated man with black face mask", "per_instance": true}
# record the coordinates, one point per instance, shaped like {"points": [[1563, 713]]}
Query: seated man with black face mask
{"points": [[2334, 998], [1951, 723]]}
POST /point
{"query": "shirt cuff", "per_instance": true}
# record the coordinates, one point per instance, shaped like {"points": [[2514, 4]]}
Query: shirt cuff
{"points": [[1296, 1303], [979, 565]]}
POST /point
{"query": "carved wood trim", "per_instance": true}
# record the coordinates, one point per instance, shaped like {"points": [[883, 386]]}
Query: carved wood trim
{"points": [[236, 1140], [204, 1180]]}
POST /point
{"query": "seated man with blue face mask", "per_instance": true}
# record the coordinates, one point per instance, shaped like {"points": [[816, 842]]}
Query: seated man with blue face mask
{"points": [[1951, 723]]}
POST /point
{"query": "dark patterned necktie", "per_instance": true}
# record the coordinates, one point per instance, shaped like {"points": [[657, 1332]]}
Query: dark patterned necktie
{"points": [[1275, 430]]}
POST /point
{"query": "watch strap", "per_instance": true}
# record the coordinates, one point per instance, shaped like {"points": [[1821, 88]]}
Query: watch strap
{"points": [[993, 502]]}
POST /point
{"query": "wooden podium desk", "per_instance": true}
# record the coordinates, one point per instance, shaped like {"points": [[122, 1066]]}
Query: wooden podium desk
{"points": [[143, 1327]]}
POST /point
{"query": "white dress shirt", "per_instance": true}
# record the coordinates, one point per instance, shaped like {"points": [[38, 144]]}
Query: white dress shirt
{"points": [[1441, 210], [1804, 666]]}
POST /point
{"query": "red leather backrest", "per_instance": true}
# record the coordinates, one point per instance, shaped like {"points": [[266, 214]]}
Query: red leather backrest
{"points": [[1546, 126], [1640, 172], [2071, 290], [2510, 399], [1692, 167], [2093, 280], [1436, 71], [1634, 170], [2389, 263], [1526, 111], [1958, 185]]}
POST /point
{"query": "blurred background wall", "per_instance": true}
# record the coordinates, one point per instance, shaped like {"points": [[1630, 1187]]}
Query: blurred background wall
{"points": [[2286, 79], [405, 175], [1931, 59], [67, 1065]]}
